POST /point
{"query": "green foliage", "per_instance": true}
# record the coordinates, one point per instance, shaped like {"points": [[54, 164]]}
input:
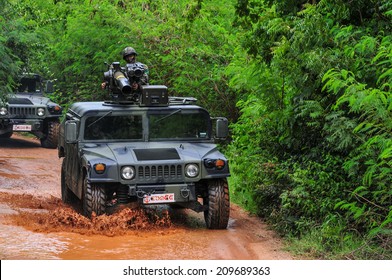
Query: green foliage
{"points": [[12, 34], [328, 138], [186, 45], [306, 84], [369, 203], [253, 171]]}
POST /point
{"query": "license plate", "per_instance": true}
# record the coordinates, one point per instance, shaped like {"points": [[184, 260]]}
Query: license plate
{"points": [[21, 127], [158, 198]]}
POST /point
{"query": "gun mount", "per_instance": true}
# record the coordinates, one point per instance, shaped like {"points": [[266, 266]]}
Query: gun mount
{"points": [[125, 83]]}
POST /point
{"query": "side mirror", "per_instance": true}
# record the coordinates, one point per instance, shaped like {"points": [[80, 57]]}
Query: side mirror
{"points": [[71, 132], [222, 128], [49, 87]]}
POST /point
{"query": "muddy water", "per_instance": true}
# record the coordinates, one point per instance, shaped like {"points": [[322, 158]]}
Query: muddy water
{"points": [[35, 224]]}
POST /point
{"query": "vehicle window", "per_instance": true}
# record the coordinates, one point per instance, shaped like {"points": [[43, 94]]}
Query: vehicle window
{"points": [[29, 85], [179, 124], [114, 127]]}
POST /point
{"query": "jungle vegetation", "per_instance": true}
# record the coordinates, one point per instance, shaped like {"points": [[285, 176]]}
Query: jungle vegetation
{"points": [[306, 85]]}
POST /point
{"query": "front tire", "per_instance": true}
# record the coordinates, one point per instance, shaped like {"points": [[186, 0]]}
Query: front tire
{"points": [[94, 199], [51, 138], [218, 204], [6, 135], [65, 191]]}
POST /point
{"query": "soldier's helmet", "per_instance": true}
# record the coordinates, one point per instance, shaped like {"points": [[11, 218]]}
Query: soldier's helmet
{"points": [[128, 51]]}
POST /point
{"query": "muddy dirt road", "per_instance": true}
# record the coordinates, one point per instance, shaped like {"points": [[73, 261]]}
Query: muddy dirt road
{"points": [[35, 224]]}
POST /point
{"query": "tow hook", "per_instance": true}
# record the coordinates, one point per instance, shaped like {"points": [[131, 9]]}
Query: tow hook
{"points": [[140, 194], [185, 192]]}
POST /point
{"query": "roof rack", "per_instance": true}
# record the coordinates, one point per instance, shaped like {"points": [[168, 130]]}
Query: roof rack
{"points": [[174, 100]]}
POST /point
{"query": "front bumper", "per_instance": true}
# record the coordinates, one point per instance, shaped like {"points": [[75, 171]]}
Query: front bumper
{"points": [[164, 193], [29, 125]]}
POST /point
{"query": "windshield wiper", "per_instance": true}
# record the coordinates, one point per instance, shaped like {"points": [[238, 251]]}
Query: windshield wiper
{"points": [[97, 120], [167, 116]]}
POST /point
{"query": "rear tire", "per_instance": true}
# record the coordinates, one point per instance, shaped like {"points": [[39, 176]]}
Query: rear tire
{"points": [[94, 199], [218, 204]]}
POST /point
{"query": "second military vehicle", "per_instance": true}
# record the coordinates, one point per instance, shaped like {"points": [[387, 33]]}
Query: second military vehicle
{"points": [[148, 148], [29, 110]]}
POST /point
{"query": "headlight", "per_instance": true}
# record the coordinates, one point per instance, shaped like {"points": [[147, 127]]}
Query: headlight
{"points": [[3, 111], [41, 112], [128, 172], [192, 170]]}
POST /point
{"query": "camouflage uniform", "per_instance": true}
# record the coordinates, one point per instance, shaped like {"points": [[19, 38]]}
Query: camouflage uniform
{"points": [[129, 51]]}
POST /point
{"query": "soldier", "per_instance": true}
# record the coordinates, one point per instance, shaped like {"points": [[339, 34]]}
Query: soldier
{"points": [[129, 55]]}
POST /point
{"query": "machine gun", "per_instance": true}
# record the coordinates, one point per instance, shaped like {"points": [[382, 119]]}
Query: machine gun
{"points": [[120, 80]]}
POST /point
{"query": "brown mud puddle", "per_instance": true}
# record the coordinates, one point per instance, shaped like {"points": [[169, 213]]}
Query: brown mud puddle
{"points": [[70, 235], [58, 231], [53, 230]]}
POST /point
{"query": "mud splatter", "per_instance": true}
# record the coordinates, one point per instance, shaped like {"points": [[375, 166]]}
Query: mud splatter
{"points": [[54, 216], [30, 201]]}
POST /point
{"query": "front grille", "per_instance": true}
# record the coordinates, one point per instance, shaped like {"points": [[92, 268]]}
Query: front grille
{"points": [[168, 172], [22, 111]]}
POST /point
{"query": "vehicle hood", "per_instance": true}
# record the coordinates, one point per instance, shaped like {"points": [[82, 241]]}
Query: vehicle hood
{"points": [[151, 152], [28, 99]]}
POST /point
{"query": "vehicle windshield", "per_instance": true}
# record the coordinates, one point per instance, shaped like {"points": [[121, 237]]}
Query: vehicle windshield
{"points": [[128, 127], [179, 124], [29, 85]]}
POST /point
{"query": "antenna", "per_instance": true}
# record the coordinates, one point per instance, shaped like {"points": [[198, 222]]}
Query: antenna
{"points": [[175, 100]]}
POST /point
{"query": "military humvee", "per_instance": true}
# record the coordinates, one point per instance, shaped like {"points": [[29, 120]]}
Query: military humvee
{"points": [[28, 110], [158, 150]]}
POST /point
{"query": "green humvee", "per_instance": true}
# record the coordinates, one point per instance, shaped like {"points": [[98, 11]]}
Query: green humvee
{"points": [[28, 110], [157, 151]]}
